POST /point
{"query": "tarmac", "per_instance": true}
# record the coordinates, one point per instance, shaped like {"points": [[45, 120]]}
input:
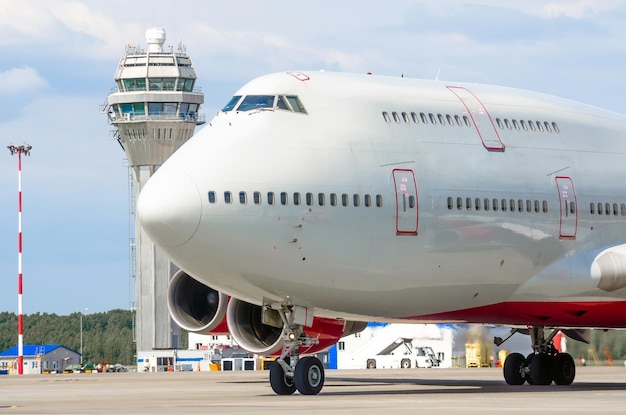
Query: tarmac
{"points": [[597, 390]]}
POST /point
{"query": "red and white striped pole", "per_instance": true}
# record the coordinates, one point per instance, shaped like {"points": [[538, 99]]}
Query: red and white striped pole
{"points": [[25, 149]]}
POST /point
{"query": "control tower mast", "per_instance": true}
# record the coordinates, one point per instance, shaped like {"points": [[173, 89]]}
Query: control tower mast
{"points": [[155, 111]]}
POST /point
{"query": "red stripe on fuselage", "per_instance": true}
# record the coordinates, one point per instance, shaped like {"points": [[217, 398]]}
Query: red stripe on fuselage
{"points": [[600, 314]]}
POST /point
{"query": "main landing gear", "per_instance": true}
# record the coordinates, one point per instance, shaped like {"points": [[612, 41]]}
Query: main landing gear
{"points": [[542, 367], [289, 371]]}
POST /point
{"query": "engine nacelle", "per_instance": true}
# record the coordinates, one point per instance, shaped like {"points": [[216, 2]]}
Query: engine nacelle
{"points": [[246, 327], [196, 307]]}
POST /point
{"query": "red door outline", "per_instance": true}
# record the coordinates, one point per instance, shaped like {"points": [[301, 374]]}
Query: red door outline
{"points": [[568, 208], [480, 118], [406, 201]]}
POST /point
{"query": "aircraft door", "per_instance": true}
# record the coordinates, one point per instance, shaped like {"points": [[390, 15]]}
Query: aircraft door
{"points": [[480, 118], [406, 202], [568, 209]]}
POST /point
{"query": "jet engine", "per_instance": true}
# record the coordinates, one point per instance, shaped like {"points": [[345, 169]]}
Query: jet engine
{"points": [[245, 322], [196, 307]]}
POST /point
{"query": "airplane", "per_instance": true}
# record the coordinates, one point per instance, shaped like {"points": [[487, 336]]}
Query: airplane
{"points": [[315, 201]]}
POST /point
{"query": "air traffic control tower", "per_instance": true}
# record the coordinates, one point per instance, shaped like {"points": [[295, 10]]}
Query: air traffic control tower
{"points": [[154, 110]]}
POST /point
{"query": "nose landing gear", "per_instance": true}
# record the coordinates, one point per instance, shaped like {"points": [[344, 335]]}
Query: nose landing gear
{"points": [[289, 372]]}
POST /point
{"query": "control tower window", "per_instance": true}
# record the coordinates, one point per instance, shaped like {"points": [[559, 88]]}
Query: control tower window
{"points": [[169, 108], [168, 84], [231, 104], [185, 84], [255, 102], [135, 108], [155, 108], [135, 84], [155, 84]]}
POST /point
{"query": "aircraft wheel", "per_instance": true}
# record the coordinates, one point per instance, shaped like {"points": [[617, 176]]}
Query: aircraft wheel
{"points": [[541, 369], [281, 384], [514, 366], [529, 360], [563, 369], [405, 364], [371, 364], [309, 375]]}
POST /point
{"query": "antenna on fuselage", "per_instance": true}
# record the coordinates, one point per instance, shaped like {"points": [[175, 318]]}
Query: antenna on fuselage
{"points": [[437, 76]]}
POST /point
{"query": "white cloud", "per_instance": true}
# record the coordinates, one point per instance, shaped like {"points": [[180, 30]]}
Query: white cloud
{"points": [[575, 9], [21, 80]]}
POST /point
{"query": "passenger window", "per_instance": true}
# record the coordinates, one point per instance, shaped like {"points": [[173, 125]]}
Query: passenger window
{"points": [[599, 208], [433, 120], [536, 206], [548, 128], [515, 124], [414, 118], [270, 198], [468, 203], [423, 117], [228, 197], [411, 202], [344, 199], [555, 127], [520, 205], [396, 117], [572, 208], [495, 205], [486, 204], [545, 206], [441, 120], [499, 122], [539, 126], [386, 117], [531, 125], [367, 200], [379, 201], [356, 199], [321, 199], [309, 199], [243, 198], [405, 117], [283, 198], [449, 118], [504, 205], [450, 203], [606, 206], [529, 206], [459, 203], [524, 126], [477, 203], [211, 197], [257, 198], [592, 208], [458, 120], [333, 199], [615, 210], [622, 209], [467, 121], [507, 123], [296, 199]]}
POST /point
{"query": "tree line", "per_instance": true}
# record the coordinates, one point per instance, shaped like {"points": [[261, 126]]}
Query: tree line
{"points": [[107, 337]]}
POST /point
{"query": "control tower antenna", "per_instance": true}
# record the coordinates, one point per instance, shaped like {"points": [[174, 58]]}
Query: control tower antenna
{"points": [[154, 110]]}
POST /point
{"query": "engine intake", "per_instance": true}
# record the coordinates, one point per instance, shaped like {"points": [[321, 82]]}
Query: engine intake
{"points": [[247, 329], [194, 306]]}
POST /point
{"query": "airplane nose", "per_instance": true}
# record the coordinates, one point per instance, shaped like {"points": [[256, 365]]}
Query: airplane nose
{"points": [[169, 208]]}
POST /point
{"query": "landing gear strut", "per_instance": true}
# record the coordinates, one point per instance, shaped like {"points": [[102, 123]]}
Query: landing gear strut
{"points": [[542, 367], [290, 372]]}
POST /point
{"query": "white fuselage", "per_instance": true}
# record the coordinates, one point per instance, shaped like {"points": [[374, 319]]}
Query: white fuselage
{"points": [[462, 216]]}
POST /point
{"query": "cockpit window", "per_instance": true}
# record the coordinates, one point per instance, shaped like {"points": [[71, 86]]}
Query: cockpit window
{"points": [[296, 104], [255, 102], [232, 103], [281, 104]]}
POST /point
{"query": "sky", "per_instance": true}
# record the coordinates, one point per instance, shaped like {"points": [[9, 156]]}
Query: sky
{"points": [[58, 59]]}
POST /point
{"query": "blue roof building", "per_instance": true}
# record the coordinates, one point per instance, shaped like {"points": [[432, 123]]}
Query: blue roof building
{"points": [[39, 358]]}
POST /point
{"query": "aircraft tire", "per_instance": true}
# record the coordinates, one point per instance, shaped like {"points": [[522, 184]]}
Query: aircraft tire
{"points": [[563, 369], [309, 375], [513, 367], [541, 369], [405, 364], [371, 364], [529, 360], [281, 384]]}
